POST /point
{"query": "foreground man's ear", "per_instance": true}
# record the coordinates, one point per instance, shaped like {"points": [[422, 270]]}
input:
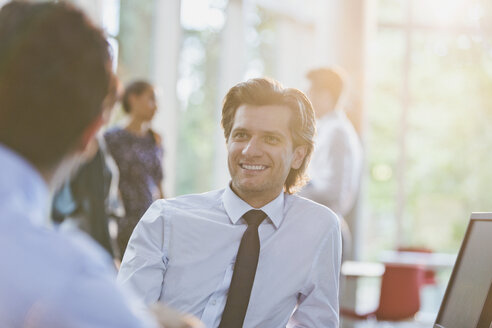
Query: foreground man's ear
{"points": [[299, 155]]}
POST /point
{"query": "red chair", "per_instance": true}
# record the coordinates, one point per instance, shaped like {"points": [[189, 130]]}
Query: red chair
{"points": [[400, 295], [429, 275]]}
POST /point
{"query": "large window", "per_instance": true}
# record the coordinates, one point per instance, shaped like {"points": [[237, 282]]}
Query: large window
{"points": [[201, 22], [430, 115]]}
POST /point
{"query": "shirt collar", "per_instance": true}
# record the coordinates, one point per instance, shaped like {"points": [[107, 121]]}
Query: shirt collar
{"points": [[236, 207], [21, 186]]}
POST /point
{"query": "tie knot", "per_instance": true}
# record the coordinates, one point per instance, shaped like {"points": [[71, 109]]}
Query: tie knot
{"points": [[254, 217]]}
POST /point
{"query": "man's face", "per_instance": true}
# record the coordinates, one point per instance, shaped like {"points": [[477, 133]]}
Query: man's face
{"points": [[261, 152], [322, 100]]}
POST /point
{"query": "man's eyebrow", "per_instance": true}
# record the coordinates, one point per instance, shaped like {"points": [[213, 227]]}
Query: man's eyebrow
{"points": [[274, 133], [239, 129], [268, 132]]}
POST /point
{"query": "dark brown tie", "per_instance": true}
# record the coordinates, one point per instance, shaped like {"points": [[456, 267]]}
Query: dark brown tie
{"points": [[244, 273]]}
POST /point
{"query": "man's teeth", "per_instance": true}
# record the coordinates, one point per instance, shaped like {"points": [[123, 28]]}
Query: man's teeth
{"points": [[253, 167]]}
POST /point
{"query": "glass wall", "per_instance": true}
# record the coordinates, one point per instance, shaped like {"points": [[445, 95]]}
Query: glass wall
{"points": [[202, 22], [429, 121]]}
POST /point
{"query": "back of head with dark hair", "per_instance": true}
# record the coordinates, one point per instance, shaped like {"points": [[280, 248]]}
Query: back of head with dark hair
{"points": [[264, 92], [55, 74], [134, 88]]}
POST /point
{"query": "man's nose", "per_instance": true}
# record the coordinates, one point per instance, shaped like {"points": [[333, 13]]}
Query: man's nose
{"points": [[253, 147]]}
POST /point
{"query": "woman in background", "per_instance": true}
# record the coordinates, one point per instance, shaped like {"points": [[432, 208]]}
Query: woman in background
{"points": [[138, 153]]}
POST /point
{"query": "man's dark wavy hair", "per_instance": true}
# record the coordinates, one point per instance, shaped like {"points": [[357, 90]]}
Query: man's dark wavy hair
{"points": [[55, 79]]}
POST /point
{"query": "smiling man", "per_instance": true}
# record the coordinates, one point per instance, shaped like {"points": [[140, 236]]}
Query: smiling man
{"points": [[252, 254]]}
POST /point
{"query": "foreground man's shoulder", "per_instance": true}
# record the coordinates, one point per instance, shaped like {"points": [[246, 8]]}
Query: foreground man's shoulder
{"points": [[190, 201], [312, 211]]}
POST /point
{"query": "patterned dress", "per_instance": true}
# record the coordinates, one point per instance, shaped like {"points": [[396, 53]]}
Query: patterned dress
{"points": [[139, 160]]}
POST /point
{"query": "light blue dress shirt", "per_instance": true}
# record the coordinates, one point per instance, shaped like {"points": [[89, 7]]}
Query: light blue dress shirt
{"points": [[182, 253], [48, 279]]}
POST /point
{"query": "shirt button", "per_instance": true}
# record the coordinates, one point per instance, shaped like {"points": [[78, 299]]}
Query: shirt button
{"points": [[214, 302]]}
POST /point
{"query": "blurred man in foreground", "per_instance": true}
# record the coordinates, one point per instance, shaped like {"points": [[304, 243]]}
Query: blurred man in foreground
{"points": [[252, 254], [55, 83]]}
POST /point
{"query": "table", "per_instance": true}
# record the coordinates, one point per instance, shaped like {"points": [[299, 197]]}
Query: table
{"points": [[430, 261], [355, 269]]}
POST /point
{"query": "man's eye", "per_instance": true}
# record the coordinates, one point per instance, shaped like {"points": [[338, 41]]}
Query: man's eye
{"points": [[272, 140], [240, 135]]}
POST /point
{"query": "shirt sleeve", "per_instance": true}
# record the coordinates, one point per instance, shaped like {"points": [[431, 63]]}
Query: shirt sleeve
{"points": [[318, 301], [144, 263]]}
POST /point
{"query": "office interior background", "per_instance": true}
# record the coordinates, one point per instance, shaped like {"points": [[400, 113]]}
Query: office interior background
{"points": [[421, 96]]}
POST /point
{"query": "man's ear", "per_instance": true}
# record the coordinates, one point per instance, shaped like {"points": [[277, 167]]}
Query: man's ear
{"points": [[89, 133], [298, 157]]}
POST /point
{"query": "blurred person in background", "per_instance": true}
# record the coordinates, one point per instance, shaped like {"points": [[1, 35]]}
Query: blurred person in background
{"points": [[335, 168], [137, 151], [89, 199]]}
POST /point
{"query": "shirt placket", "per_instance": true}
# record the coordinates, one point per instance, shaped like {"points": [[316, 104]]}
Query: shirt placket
{"points": [[211, 316]]}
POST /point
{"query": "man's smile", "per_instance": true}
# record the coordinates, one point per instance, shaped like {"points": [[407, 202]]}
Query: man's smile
{"points": [[253, 167]]}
